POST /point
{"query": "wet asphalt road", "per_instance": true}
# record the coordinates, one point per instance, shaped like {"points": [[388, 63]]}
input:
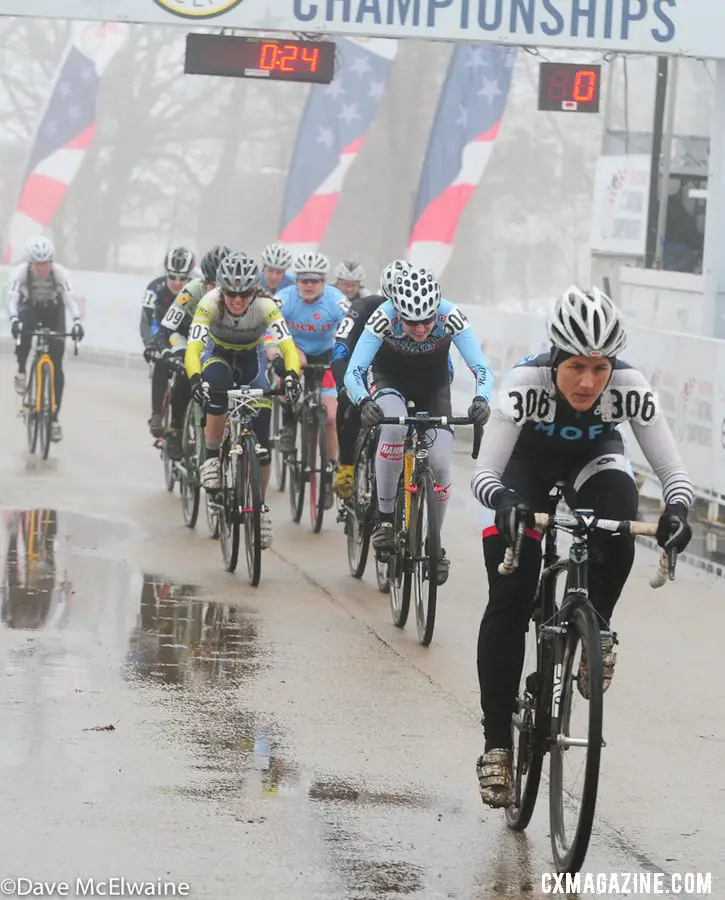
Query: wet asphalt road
{"points": [[288, 741]]}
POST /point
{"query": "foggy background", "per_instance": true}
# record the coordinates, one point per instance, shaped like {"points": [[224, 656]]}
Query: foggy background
{"points": [[200, 160]]}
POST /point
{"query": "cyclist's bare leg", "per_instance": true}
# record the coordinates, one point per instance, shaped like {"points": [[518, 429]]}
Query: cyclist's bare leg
{"points": [[214, 430], [330, 404]]}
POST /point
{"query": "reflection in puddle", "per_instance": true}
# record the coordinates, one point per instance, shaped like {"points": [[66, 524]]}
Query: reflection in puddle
{"points": [[205, 652], [35, 591]]}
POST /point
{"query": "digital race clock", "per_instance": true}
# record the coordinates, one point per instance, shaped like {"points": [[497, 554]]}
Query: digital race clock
{"points": [[569, 87], [247, 57]]}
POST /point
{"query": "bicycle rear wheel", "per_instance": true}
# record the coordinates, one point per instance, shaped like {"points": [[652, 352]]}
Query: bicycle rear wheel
{"points": [[279, 463], [399, 573], [32, 416], [425, 549], [229, 508], [571, 817], [46, 409], [318, 458], [192, 442], [297, 468], [358, 515], [251, 478]]}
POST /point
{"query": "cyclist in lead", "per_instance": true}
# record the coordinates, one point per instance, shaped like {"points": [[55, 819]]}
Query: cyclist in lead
{"points": [[172, 339], [160, 295], [349, 276], [406, 341], [226, 350], [313, 311], [558, 421], [39, 296], [276, 259]]}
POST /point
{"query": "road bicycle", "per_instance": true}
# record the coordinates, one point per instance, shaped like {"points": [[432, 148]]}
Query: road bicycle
{"points": [[39, 405], [310, 462], [173, 469], [239, 502], [413, 564], [545, 719]]}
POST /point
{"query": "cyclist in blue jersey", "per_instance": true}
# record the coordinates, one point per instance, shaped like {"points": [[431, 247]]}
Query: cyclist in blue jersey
{"points": [[313, 310], [276, 259], [406, 341]]}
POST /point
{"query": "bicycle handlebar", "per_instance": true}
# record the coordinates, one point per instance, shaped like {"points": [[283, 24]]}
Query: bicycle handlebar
{"points": [[665, 568], [48, 332], [427, 421]]}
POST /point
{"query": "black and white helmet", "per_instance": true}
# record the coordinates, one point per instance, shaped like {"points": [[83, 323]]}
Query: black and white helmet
{"points": [[350, 270], [238, 273], [179, 262], [276, 256], [40, 250], [586, 324], [211, 260], [311, 263], [389, 274], [416, 295]]}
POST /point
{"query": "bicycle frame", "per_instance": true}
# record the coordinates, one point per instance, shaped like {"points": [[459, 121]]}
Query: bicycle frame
{"points": [[42, 358]]}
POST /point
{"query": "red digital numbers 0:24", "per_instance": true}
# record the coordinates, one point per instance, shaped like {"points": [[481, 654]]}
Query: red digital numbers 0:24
{"points": [[288, 57]]}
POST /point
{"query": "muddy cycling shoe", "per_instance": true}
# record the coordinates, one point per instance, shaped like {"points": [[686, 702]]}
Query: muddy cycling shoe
{"points": [[384, 540], [344, 482], [20, 383], [266, 535], [286, 440], [210, 474], [609, 658], [56, 432], [173, 445], [156, 425], [444, 567], [496, 779]]}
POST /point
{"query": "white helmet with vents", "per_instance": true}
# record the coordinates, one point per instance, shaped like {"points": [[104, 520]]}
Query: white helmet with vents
{"points": [[350, 270], [389, 274], [238, 274], [311, 263], [586, 324], [416, 295], [276, 256], [40, 250]]}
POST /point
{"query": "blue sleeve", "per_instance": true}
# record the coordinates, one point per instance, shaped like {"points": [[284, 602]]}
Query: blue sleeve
{"points": [[362, 356], [469, 348]]}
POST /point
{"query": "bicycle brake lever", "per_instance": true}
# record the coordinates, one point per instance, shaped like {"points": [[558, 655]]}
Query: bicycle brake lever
{"points": [[477, 436]]}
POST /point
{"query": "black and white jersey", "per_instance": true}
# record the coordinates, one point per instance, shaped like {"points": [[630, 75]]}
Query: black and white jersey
{"points": [[534, 421]]}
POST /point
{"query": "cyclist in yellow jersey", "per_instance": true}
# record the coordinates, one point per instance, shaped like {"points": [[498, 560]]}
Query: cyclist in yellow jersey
{"points": [[226, 349]]}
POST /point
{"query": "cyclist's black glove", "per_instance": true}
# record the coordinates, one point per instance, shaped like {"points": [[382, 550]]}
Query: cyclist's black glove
{"points": [[150, 353], [479, 411], [77, 332], [370, 413], [278, 366], [292, 386], [511, 510], [199, 389], [16, 326], [673, 529]]}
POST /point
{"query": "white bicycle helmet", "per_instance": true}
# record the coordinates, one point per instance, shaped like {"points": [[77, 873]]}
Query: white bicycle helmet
{"points": [[40, 250], [238, 273], [416, 295], [179, 262], [276, 256], [350, 270], [586, 324], [311, 263], [389, 274]]}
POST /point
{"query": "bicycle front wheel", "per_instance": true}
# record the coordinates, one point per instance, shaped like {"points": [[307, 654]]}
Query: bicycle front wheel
{"points": [[398, 568], [231, 501], [192, 443], [318, 458], [169, 477], [577, 746], [296, 470], [278, 460], [32, 414], [46, 409], [251, 479], [425, 545], [358, 515]]}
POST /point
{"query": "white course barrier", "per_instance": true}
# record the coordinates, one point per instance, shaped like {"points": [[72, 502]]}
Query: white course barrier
{"points": [[687, 372]]}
